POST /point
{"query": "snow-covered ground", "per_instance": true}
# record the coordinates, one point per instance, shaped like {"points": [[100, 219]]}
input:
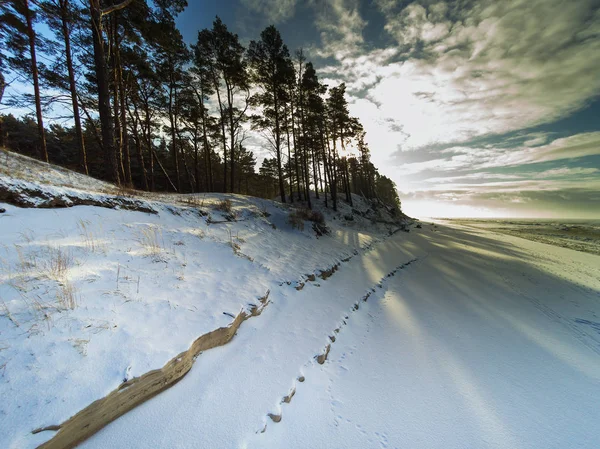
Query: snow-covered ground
{"points": [[467, 338], [477, 340], [580, 235], [91, 297]]}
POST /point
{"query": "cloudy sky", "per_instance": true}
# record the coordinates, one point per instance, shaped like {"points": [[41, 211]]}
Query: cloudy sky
{"points": [[473, 107]]}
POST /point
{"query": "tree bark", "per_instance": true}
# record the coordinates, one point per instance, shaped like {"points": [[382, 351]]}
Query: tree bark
{"points": [[278, 141], [216, 83], [304, 149], [36, 83], [103, 92], [295, 146], [140, 154], [64, 10], [112, 45], [122, 98], [174, 154], [231, 136], [287, 131]]}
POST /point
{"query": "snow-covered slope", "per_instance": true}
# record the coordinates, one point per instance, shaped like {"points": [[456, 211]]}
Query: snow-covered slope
{"points": [[117, 285], [468, 339]]}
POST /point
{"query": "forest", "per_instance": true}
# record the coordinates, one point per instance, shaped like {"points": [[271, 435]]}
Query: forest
{"points": [[127, 100]]}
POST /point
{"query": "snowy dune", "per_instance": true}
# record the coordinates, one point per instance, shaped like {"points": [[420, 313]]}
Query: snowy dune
{"points": [[91, 297], [449, 336], [484, 341]]}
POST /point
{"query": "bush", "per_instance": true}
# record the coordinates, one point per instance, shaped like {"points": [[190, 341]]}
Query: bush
{"points": [[299, 216], [296, 219], [310, 215], [224, 206], [317, 217]]}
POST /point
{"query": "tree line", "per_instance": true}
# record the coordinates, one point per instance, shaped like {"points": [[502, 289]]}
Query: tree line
{"points": [[148, 111]]}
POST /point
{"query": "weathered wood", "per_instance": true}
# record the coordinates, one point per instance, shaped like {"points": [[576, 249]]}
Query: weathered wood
{"points": [[134, 392]]}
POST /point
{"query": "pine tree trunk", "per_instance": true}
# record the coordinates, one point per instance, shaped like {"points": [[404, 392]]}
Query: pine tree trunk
{"points": [[2, 87], [106, 124], [295, 145], [278, 143], [314, 164], [148, 136], [162, 168], [334, 170], [231, 139], [64, 16], [196, 159], [112, 44], [224, 136], [325, 164], [174, 152], [188, 173], [347, 180], [36, 83], [305, 155], [126, 157], [287, 131], [208, 163], [140, 154]]}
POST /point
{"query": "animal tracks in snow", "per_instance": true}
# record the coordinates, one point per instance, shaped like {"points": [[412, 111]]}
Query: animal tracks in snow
{"points": [[276, 415]]}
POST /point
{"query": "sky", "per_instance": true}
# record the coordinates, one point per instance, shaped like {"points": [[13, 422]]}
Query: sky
{"points": [[475, 108]]}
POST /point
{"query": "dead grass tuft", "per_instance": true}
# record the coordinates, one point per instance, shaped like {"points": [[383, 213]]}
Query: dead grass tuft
{"points": [[297, 218], [58, 263], [224, 206], [89, 240], [67, 295], [151, 238]]}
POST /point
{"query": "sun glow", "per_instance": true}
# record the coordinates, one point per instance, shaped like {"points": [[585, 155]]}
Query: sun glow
{"points": [[430, 209]]}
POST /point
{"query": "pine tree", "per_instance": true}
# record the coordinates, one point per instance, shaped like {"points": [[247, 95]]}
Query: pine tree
{"points": [[21, 40], [63, 16], [223, 57], [270, 62]]}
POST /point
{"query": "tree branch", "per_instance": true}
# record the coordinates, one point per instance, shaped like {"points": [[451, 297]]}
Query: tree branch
{"points": [[114, 8]]}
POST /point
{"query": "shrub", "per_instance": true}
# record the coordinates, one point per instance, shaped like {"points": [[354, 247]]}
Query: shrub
{"points": [[296, 219], [299, 216], [317, 217], [224, 206]]}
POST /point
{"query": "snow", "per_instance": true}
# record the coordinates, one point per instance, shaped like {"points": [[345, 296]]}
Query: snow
{"points": [[468, 338], [580, 235], [92, 296], [484, 341]]}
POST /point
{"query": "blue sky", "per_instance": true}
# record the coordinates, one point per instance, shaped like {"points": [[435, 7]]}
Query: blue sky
{"points": [[473, 107], [487, 108]]}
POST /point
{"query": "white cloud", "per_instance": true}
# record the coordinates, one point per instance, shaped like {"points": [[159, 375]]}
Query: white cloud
{"points": [[341, 28], [463, 70], [491, 68], [484, 158], [567, 171]]}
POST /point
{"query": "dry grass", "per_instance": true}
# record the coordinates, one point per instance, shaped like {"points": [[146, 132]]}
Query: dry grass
{"points": [[194, 201], [80, 344], [58, 263], [234, 245], [224, 206], [127, 191], [32, 271], [89, 240], [67, 295], [151, 238], [5, 311], [297, 218], [234, 242]]}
